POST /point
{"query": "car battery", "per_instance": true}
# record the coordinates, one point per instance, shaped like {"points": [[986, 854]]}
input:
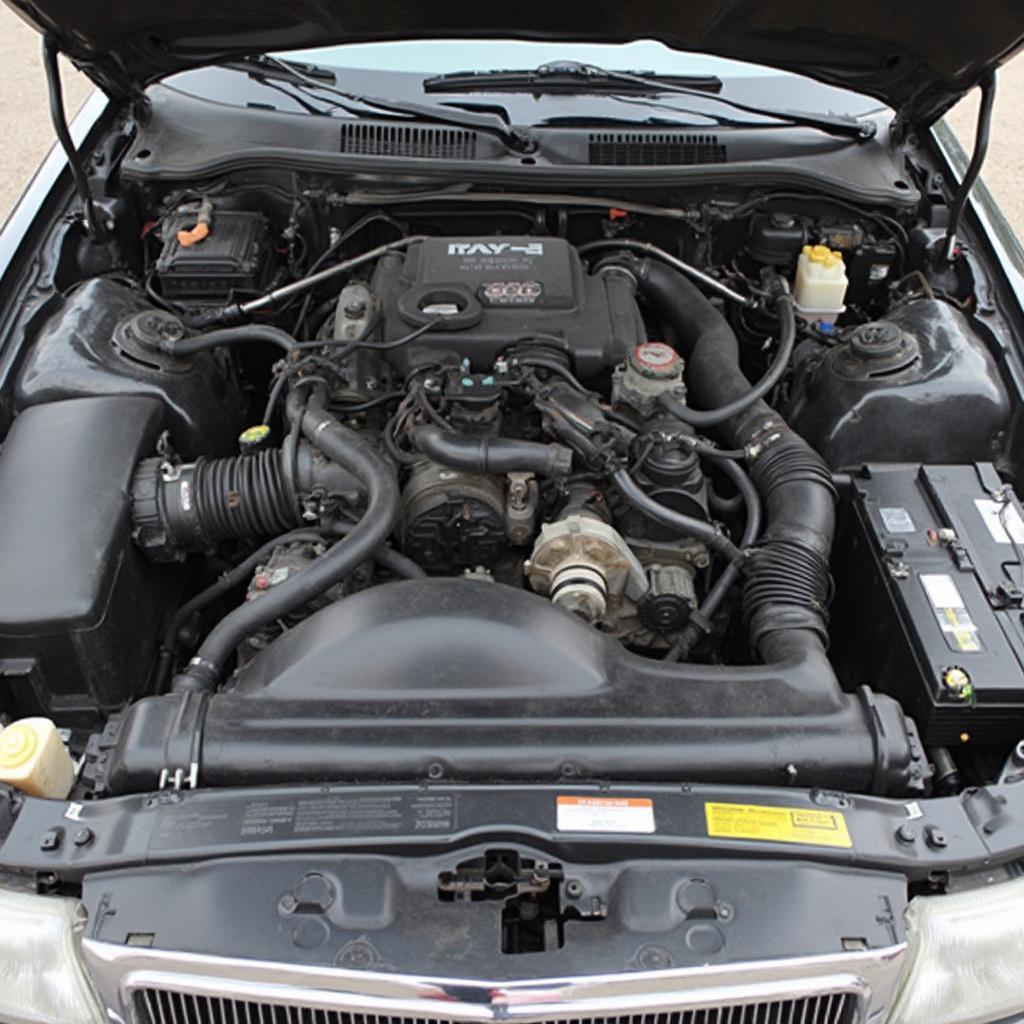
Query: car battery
{"points": [[929, 572], [235, 256]]}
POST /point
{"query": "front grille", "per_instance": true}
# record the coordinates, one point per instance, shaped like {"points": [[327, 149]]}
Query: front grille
{"points": [[654, 149], [161, 1006], [407, 140]]}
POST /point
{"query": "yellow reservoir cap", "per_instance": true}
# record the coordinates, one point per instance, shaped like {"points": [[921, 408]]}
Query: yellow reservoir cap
{"points": [[822, 254], [34, 760], [18, 743]]}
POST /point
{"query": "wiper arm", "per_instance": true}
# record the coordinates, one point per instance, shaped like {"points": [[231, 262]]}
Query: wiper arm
{"points": [[323, 80], [562, 77], [591, 78]]}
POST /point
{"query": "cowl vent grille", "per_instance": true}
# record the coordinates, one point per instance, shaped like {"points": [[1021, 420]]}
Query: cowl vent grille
{"points": [[408, 140], [654, 149]]}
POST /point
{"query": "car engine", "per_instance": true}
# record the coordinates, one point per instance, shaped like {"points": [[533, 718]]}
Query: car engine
{"points": [[519, 490]]}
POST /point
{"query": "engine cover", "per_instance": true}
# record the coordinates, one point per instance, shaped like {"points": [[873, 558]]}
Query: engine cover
{"points": [[494, 292]]}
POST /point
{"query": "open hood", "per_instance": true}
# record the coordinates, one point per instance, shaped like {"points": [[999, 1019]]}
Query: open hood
{"points": [[918, 56]]}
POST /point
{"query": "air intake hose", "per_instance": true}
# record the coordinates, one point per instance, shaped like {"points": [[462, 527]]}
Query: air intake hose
{"points": [[353, 453], [181, 509], [787, 584]]}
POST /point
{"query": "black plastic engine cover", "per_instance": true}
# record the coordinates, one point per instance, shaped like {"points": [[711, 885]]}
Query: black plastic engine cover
{"points": [[474, 680], [494, 292]]}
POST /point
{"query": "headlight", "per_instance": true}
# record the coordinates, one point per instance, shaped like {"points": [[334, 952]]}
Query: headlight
{"points": [[41, 976], [965, 959]]}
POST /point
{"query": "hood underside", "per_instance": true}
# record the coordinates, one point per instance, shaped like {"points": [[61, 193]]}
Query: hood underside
{"points": [[918, 57]]}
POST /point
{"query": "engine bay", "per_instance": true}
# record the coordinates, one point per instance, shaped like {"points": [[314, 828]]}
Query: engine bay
{"points": [[516, 489]]}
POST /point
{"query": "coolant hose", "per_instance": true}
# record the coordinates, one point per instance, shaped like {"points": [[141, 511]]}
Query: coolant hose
{"points": [[349, 450], [786, 578], [487, 454], [703, 418]]}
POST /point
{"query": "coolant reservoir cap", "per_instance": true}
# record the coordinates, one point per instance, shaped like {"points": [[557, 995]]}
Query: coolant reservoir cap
{"points": [[17, 745], [655, 359]]}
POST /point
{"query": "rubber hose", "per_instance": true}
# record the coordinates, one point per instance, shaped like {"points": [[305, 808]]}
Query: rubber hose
{"points": [[687, 526], [701, 618], [491, 454], [791, 478], [712, 417], [351, 451], [228, 336]]}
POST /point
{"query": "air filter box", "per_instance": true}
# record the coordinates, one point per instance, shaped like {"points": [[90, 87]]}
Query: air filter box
{"points": [[930, 586]]}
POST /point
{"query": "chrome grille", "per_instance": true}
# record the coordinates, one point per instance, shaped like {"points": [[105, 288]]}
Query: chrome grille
{"points": [[161, 1006]]}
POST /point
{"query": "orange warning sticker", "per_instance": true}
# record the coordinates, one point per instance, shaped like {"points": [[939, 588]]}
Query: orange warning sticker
{"points": [[605, 814]]}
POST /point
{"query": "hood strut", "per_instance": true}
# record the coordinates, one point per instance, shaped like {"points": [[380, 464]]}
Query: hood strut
{"points": [[93, 222], [981, 137]]}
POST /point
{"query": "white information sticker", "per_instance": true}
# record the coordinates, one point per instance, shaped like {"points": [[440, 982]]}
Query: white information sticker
{"points": [[1003, 521], [605, 814], [897, 519], [951, 613]]}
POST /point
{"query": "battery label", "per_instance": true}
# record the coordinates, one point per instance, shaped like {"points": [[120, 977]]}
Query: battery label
{"points": [[951, 613], [605, 814], [897, 519], [1002, 520], [777, 824]]}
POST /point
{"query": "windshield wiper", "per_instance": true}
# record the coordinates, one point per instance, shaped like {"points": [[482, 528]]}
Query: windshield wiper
{"points": [[589, 78], [317, 80], [562, 76]]}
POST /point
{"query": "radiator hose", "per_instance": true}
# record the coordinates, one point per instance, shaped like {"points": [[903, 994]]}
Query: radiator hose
{"points": [[787, 585]]}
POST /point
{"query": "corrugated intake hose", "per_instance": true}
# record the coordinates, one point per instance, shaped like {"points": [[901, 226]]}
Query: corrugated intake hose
{"points": [[787, 585], [351, 451]]}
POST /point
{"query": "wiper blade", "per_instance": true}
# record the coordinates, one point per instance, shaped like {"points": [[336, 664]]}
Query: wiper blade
{"points": [[321, 80], [563, 77], [591, 78]]}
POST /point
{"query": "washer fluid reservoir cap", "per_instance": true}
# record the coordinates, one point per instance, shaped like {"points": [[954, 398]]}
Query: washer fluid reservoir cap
{"points": [[18, 743]]}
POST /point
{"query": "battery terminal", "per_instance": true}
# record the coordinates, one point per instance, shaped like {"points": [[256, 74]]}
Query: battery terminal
{"points": [[958, 682]]}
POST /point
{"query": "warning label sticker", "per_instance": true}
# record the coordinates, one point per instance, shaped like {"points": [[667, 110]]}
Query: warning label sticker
{"points": [[777, 824], [605, 814], [951, 613]]}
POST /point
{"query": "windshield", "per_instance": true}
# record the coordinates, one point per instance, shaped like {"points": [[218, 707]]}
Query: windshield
{"points": [[441, 56]]}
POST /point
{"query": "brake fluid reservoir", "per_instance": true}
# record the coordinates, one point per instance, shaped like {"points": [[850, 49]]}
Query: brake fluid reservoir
{"points": [[821, 283], [34, 760]]}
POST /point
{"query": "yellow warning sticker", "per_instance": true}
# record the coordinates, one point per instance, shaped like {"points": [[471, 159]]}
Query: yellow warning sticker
{"points": [[778, 824]]}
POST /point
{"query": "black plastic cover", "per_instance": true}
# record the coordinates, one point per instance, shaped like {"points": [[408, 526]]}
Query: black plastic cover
{"points": [[493, 292], [235, 256], [79, 606], [919, 386], [88, 347], [930, 590], [377, 912], [472, 680]]}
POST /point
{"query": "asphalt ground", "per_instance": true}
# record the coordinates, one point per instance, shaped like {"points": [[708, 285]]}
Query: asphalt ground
{"points": [[26, 136]]}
